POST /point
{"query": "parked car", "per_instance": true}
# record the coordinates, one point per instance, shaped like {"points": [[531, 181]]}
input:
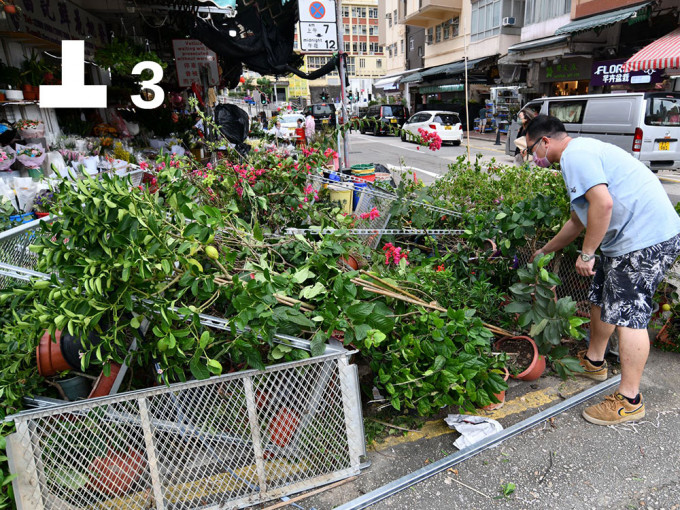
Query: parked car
{"points": [[289, 121], [446, 124], [323, 113], [642, 123], [380, 118]]}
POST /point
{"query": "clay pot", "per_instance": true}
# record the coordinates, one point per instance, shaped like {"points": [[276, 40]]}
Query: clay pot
{"points": [[116, 473], [283, 425], [350, 261], [499, 396], [26, 88], [30, 95], [50, 359], [102, 386], [537, 365]]}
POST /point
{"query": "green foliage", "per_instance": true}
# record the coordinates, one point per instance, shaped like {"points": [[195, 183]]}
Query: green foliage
{"points": [[550, 319], [121, 57], [434, 360], [6, 492]]}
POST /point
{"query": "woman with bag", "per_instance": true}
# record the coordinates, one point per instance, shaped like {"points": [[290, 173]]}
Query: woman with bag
{"points": [[524, 117]]}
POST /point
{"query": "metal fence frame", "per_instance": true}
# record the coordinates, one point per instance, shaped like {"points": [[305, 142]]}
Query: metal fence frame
{"points": [[334, 375]]}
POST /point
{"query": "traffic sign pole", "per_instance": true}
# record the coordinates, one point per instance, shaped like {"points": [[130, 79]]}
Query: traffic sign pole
{"points": [[343, 72]]}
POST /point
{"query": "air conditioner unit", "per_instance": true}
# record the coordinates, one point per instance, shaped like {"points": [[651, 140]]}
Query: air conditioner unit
{"points": [[509, 22]]}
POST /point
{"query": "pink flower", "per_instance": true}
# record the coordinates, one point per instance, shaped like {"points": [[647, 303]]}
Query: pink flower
{"points": [[371, 215], [144, 165]]}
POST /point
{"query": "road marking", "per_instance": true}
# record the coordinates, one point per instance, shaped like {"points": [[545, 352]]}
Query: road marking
{"points": [[387, 142], [408, 167], [666, 179], [528, 401]]}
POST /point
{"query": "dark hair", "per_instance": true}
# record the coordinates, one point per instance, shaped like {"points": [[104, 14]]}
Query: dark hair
{"points": [[544, 125], [528, 114]]}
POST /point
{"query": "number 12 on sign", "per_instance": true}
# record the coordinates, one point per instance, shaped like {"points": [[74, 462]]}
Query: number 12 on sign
{"points": [[318, 36]]}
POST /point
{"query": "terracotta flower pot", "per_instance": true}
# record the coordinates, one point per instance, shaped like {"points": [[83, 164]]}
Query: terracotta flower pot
{"points": [[350, 261], [499, 396], [115, 473], [282, 427], [50, 359], [537, 366], [26, 88], [102, 386]]}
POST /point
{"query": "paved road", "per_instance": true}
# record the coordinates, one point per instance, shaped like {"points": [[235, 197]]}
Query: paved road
{"points": [[390, 150]]}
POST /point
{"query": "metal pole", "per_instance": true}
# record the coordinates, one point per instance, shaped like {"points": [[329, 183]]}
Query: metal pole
{"points": [[342, 71], [442, 465], [467, 97]]}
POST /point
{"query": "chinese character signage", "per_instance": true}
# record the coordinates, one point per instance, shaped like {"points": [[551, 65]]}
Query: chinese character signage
{"points": [[55, 21], [569, 69], [191, 55], [610, 72]]}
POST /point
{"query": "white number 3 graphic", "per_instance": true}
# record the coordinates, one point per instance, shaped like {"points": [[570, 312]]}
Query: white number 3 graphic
{"points": [[158, 92]]}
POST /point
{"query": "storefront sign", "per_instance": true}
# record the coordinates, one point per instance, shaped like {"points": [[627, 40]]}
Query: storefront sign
{"points": [[610, 72], [190, 56], [56, 21], [569, 69]]}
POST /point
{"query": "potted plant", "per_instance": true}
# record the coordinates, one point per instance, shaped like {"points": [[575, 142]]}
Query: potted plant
{"points": [[43, 202], [10, 82], [33, 71], [524, 361], [550, 320]]}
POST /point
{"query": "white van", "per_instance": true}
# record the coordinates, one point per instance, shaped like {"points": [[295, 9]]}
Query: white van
{"points": [[646, 124]]}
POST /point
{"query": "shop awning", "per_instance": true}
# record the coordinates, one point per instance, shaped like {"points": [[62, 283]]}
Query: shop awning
{"points": [[662, 53], [412, 78], [538, 43], [392, 81], [453, 68], [602, 20]]}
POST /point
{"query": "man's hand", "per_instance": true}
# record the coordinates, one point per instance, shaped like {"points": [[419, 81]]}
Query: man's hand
{"points": [[585, 268], [536, 254]]}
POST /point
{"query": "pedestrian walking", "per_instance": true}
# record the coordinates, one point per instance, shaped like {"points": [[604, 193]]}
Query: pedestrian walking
{"points": [[482, 120], [627, 215], [310, 127], [524, 117], [300, 134]]}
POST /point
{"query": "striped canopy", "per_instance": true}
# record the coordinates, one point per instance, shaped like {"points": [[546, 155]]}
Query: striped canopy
{"points": [[662, 53]]}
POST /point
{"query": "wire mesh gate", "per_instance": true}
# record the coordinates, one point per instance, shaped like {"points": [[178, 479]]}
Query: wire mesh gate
{"points": [[226, 442]]}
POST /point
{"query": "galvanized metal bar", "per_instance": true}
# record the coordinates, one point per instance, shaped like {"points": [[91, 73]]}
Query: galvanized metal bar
{"points": [[373, 231], [411, 479], [151, 454], [26, 492], [351, 402], [251, 405]]}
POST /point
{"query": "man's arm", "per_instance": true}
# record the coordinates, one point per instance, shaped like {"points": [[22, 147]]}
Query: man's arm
{"points": [[600, 206], [564, 237]]}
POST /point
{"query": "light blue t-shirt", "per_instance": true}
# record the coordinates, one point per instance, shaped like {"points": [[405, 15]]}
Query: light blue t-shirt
{"points": [[642, 213]]}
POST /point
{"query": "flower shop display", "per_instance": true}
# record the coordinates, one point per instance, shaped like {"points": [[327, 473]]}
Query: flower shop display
{"points": [[30, 128], [43, 202], [31, 155], [7, 157]]}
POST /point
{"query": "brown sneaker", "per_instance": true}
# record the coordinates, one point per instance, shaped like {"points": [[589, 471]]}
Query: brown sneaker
{"points": [[590, 370], [615, 409]]}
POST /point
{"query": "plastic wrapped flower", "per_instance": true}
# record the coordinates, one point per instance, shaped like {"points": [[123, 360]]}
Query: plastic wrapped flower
{"points": [[7, 157], [31, 156]]}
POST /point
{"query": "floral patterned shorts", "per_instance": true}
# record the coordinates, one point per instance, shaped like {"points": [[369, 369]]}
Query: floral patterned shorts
{"points": [[624, 286]]}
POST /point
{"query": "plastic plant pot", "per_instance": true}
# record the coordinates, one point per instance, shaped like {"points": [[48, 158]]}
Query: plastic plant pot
{"points": [[75, 388], [49, 356]]}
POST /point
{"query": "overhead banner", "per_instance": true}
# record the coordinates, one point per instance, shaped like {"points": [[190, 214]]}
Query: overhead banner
{"points": [[56, 21], [610, 72]]}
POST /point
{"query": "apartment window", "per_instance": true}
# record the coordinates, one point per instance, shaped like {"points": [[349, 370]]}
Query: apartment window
{"points": [[390, 51], [345, 11], [455, 26], [389, 20], [362, 47], [354, 47], [373, 12], [362, 63], [378, 63], [351, 66], [346, 29], [486, 19], [542, 10], [362, 30], [358, 12], [429, 38], [347, 47], [438, 34], [411, 43], [373, 30], [420, 51], [373, 48], [446, 29], [395, 15]]}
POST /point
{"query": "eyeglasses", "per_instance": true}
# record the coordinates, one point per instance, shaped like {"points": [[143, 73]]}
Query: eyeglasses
{"points": [[530, 150]]}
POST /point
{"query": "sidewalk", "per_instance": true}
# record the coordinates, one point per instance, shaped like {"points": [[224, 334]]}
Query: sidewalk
{"points": [[563, 463], [490, 137]]}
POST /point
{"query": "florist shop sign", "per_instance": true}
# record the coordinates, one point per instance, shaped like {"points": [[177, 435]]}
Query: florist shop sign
{"points": [[610, 72], [191, 55], [56, 21], [569, 69]]}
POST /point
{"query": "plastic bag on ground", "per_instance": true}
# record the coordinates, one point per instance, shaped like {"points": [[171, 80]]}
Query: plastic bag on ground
{"points": [[472, 428]]}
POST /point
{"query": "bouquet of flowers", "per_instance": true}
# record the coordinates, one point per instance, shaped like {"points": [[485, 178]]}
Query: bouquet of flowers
{"points": [[31, 156], [30, 128], [7, 157], [43, 201]]}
